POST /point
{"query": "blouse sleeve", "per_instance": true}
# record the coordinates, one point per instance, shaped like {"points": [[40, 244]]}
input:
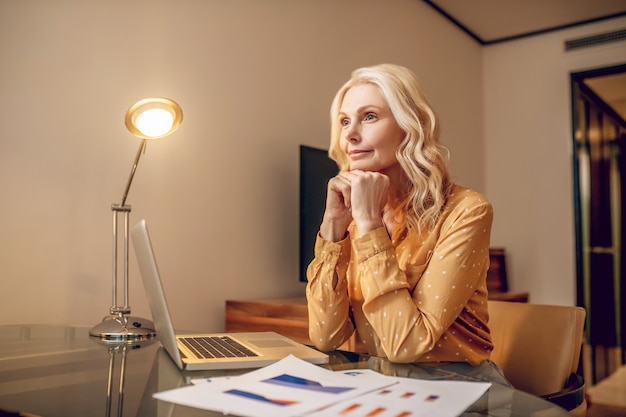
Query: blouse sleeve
{"points": [[410, 323], [328, 304]]}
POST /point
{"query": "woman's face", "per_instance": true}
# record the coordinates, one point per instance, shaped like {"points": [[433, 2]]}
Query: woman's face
{"points": [[370, 134]]}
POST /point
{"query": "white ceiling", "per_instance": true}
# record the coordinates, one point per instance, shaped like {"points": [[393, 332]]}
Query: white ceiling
{"points": [[491, 21], [497, 21]]}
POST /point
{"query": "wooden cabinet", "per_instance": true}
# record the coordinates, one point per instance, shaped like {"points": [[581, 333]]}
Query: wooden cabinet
{"points": [[497, 282], [287, 316]]}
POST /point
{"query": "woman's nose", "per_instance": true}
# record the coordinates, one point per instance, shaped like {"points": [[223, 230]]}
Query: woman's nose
{"points": [[352, 134]]}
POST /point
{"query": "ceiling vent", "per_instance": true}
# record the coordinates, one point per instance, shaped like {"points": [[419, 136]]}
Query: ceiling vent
{"points": [[601, 39]]}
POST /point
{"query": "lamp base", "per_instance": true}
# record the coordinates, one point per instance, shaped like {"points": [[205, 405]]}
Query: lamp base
{"points": [[120, 327]]}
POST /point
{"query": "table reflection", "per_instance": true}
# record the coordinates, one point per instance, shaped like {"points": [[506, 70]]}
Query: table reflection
{"points": [[118, 352], [59, 371]]}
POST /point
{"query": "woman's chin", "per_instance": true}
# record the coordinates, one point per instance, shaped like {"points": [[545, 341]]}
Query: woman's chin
{"points": [[358, 167], [362, 167]]}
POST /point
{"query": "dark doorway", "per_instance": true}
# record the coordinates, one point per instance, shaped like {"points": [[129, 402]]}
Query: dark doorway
{"points": [[599, 136]]}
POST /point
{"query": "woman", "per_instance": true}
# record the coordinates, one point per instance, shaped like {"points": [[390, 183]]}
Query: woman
{"points": [[402, 252]]}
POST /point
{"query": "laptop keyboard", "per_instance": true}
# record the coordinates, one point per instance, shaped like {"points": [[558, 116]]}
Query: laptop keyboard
{"points": [[216, 347]]}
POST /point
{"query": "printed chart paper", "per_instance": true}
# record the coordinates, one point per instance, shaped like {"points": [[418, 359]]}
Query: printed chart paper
{"points": [[288, 388], [295, 388], [410, 398]]}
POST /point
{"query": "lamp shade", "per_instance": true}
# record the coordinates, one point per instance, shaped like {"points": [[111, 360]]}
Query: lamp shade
{"points": [[153, 118]]}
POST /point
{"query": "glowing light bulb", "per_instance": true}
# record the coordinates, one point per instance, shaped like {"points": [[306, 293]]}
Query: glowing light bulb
{"points": [[154, 122], [153, 118]]}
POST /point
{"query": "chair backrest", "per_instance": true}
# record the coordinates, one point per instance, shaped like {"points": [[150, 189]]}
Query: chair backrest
{"points": [[537, 346]]}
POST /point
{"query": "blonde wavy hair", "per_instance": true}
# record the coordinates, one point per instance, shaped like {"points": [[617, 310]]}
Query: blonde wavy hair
{"points": [[422, 158]]}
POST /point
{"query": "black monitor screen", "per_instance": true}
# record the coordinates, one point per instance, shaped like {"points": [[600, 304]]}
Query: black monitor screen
{"points": [[316, 168]]}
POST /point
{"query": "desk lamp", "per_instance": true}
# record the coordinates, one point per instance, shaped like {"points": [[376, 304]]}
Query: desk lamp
{"points": [[150, 118]]}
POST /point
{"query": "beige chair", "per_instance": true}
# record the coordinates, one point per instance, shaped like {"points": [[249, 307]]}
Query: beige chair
{"points": [[538, 348]]}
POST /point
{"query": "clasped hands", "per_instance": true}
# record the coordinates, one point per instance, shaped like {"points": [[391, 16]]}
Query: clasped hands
{"points": [[354, 195]]}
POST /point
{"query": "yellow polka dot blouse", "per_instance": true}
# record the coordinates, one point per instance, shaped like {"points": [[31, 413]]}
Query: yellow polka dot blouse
{"points": [[410, 297]]}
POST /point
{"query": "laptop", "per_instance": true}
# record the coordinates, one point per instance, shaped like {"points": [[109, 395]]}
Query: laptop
{"points": [[215, 350]]}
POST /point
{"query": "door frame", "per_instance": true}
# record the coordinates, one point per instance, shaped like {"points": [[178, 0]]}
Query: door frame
{"points": [[599, 360]]}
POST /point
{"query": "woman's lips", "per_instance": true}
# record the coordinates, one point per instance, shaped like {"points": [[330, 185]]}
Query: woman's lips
{"points": [[356, 154]]}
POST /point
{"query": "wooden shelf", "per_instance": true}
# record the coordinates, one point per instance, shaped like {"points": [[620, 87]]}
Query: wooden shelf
{"points": [[287, 316], [518, 297], [497, 281]]}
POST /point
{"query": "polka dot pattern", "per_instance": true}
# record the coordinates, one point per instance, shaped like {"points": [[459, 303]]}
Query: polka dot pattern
{"points": [[410, 297]]}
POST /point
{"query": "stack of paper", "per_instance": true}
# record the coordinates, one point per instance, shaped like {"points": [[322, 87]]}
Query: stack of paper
{"points": [[295, 388]]}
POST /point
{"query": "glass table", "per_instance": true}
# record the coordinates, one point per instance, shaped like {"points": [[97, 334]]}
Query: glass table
{"points": [[60, 371]]}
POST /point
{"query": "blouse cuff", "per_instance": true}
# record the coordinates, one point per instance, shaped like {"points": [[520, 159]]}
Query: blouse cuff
{"points": [[372, 243], [327, 250]]}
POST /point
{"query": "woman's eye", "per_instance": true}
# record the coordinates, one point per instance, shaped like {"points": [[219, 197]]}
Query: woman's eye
{"points": [[370, 116], [345, 122]]}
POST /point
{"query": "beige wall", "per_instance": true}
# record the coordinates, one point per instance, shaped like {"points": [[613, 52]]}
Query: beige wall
{"points": [[255, 79], [528, 154]]}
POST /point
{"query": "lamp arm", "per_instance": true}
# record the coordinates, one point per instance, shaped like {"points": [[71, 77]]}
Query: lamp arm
{"points": [[120, 325], [140, 151]]}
